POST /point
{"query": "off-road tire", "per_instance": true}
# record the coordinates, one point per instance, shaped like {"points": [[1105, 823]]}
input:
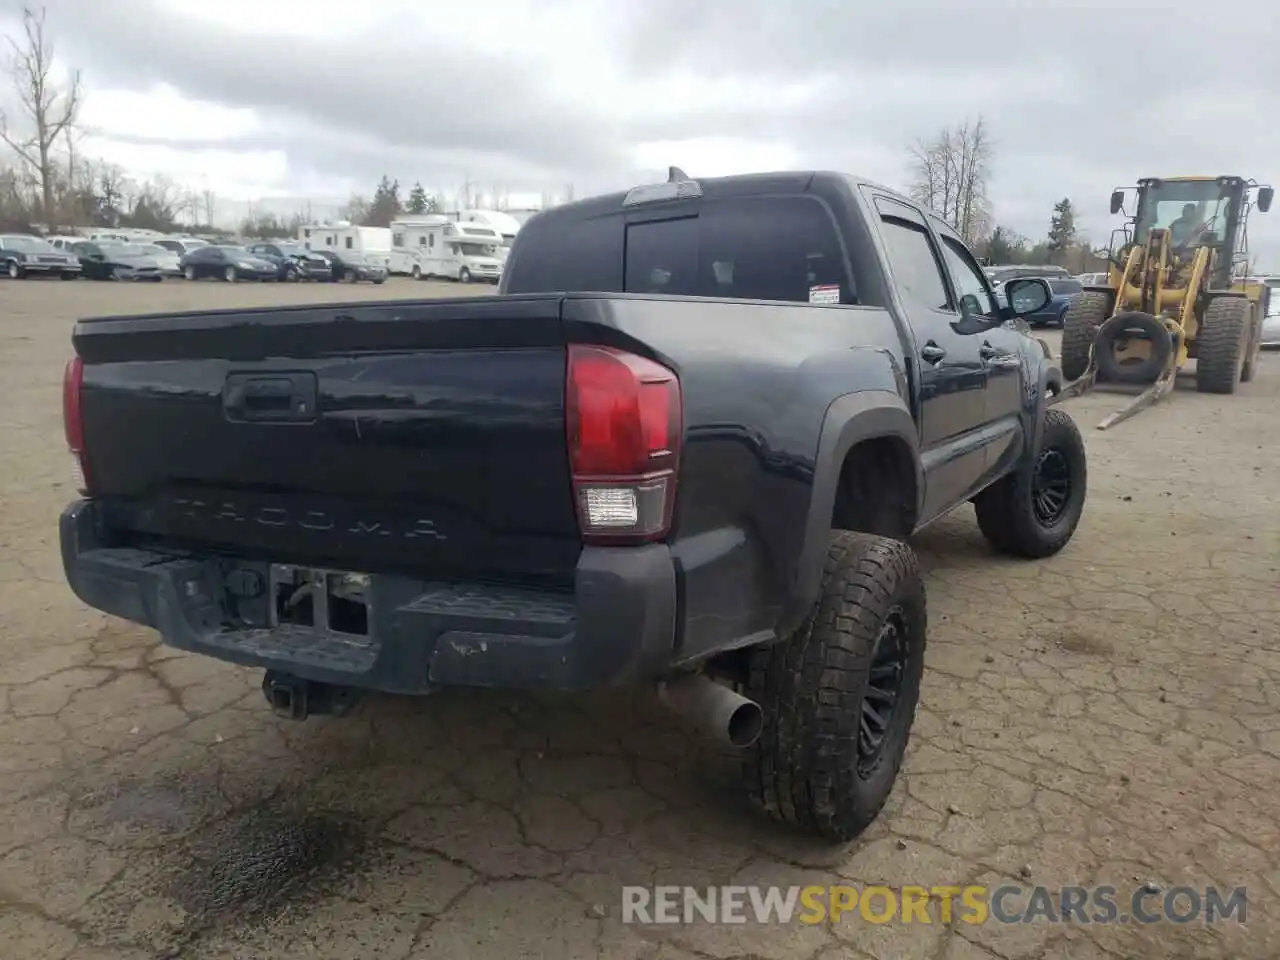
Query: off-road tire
{"points": [[1006, 509], [1150, 369], [804, 769], [1079, 327], [1221, 343]]}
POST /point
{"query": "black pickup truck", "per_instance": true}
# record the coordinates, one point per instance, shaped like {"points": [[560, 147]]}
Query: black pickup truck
{"points": [[683, 446]]}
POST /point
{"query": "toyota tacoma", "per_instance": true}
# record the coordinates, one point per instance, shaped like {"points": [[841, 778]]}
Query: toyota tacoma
{"points": [[684, 447]]}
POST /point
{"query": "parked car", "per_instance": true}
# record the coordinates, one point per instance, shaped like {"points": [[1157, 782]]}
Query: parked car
{"points": [[350, 267], [112, 260], [181, 245], [643, 484], [1065, 290], [25, 256], [1271, 319], [1093, 279], [293, 262], [226, 263], [1000, 274], [169, 262]]}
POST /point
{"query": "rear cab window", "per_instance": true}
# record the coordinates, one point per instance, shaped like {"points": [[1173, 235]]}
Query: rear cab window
{"points": [[746, 248]]}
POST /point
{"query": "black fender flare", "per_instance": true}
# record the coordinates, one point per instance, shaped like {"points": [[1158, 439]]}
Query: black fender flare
{"points": [[849, 420]]}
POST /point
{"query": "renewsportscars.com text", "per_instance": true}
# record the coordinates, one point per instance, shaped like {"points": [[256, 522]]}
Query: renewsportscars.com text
{"points": [[937, 904]]}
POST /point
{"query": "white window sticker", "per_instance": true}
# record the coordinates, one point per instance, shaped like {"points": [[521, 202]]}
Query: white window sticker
{"points": [[825, 293]]}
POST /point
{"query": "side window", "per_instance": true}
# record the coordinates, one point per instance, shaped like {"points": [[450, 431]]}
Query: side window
{"points": [[974, 299], [348, 239], [915, 265], [431, 240], [397, 239]]}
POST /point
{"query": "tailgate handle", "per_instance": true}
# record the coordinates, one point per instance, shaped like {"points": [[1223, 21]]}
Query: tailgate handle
{"points": [[278, 398]]}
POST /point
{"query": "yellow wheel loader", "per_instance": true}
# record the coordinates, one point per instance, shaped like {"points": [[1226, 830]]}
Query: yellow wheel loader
{"points": [[1176, 290]]}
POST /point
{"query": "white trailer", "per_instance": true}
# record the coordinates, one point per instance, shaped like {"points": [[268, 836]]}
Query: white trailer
{"points": [[373, 243], [409, 243], [458, 251]]}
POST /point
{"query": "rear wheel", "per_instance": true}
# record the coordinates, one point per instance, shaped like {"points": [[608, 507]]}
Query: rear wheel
{"points": [[229, 275], [189, 273], [1079, 327], [1034, 513], [15, 270], [1221, 344], [839, 695], [416, 272], [70, 276]]}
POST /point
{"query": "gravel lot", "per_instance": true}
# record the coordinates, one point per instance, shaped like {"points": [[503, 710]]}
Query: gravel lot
{"points": [[1110, 716]]}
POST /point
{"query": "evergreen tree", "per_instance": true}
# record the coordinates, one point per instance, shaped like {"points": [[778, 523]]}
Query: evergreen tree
{"points": [[1062, 229]]}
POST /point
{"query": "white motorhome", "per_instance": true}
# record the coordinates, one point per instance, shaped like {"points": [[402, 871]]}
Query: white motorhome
{"points": [[374, 243], [409, 244], [506, 225], [457, 251]]}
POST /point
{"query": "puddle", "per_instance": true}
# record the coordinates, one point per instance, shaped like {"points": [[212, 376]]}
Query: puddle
{"points": [[255, 861]]}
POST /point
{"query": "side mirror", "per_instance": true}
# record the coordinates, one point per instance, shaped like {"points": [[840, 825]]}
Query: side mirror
{"points": [[1265, 196], [1117, 201], [1027, 295]]}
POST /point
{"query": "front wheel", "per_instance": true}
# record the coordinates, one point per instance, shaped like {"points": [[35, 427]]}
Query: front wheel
{"points": [[15, 270], [291, 275], [189, 273], [229, 275], [416, 273], [71, 276], [1034, 511], [464, 275], [1079, 328], [839, 695]]}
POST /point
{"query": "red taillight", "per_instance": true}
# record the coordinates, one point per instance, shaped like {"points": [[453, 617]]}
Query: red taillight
{"points": [[73, 421], [625, 422]]}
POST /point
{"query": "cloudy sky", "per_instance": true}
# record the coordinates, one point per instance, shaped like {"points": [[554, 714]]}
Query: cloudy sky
{"points": [[319, 98]]}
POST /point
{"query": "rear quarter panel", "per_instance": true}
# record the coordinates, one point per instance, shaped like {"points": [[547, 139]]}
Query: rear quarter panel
{"points": [[757, 380]]}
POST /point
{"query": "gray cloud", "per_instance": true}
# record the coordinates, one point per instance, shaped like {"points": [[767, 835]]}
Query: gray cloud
{"points": [[1080, 96]]}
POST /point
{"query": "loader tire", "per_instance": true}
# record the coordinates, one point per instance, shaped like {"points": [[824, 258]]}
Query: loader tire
{"points": [[1146, 327], [1079, 327], [822, 762], [1221, 343], [1033, 513]]}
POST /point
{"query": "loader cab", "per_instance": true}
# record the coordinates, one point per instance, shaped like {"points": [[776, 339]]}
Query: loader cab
{"points": [[1198, 211]]}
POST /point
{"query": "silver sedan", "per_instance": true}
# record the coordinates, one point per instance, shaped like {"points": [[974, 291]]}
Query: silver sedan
{"points": [[1271, 322]]}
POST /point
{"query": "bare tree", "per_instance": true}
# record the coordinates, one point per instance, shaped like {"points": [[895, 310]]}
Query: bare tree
{"points": [[949, 174], [50, 111]]}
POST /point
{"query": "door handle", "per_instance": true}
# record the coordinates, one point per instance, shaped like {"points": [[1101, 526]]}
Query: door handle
{"points": [[932, 353], [997, 357]]}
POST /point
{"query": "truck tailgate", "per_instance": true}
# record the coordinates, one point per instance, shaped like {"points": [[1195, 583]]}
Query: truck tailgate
{"points": [[422, 435]]}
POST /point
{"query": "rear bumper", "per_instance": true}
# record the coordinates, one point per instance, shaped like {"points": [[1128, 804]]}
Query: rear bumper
{"points": [[616, 628]]}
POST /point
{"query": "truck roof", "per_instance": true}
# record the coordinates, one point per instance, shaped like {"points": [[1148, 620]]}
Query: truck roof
{"points": [[745, 184]]}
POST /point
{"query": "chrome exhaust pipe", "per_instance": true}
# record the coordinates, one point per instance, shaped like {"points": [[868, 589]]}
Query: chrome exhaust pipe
{"points": [[714, 709]]}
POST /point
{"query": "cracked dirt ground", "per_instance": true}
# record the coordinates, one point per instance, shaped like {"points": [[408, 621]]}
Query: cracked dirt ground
{"points": [[1110, 716]]}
